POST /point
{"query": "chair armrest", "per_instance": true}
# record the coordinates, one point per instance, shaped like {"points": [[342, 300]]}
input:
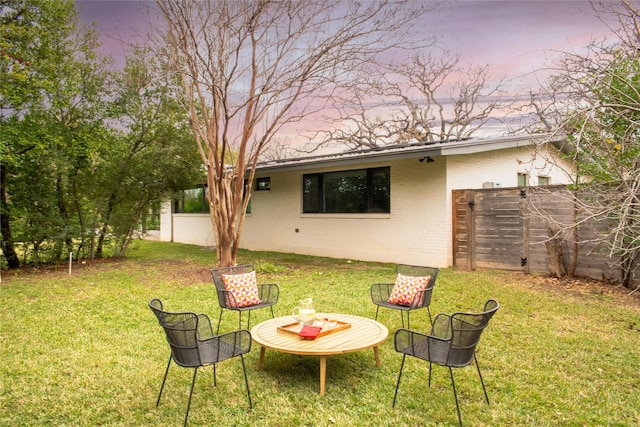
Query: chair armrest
{"points": [[204, 331], [441, 327], [422, 298], [226, 299], [269, 292], [420, 345], [224, 346], [380, 292]]}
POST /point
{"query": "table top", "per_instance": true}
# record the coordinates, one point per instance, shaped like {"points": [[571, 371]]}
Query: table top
{"points": [[363, 334]]}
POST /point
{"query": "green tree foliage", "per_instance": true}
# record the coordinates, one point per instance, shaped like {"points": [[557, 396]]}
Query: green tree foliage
{"points": [[152, 158], [49, 99], [86, 152]]}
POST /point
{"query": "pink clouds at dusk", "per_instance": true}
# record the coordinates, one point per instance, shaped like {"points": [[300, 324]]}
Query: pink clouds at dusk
{"points": [[514, 37], [517, 37]]}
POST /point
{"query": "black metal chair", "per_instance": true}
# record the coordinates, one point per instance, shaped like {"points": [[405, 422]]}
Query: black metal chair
{"points": [[452, 343], [267, 293], [193, 345], [381, 292]]}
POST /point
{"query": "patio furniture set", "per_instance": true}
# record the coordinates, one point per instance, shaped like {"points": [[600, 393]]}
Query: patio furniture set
{"points": [[451, 342]]}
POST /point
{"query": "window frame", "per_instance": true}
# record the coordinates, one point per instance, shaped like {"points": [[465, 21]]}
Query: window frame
{"points": [[266, 183], [179, 201], [525, 177], [545, 178], [319, 187]]}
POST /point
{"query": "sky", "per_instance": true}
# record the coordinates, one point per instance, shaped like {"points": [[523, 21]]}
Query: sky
{"points": [[515, 38], [518, 37]]}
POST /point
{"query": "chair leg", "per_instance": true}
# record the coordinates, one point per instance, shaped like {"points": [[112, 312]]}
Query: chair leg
{"points": [[429, 374], [246, 381], [408, 324], [455, 394], [377, 308], [193, 381], [163, 381], [398, 383], [272, 315], [486, 396], [215, 380], [429, 312], [248, 319], [219, 320], [239, 320]]}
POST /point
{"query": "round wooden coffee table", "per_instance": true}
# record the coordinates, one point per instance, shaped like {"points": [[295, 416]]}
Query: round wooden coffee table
{"points": [[361, 335]]}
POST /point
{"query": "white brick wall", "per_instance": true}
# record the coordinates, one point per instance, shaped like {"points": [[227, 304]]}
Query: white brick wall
{"points": [[411, 233], [502, 167], [417, 231]]}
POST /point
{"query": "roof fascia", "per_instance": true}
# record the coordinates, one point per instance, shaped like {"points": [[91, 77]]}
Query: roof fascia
{"points": [[350, 159]]}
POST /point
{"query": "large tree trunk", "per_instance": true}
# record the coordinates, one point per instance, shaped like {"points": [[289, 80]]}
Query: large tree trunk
{"points": [[556, 255], [573, 266], [8, 249], [250, 78], [225, 204]]}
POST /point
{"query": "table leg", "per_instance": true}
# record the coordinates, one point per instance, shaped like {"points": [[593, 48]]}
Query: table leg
{"points": [[323, 373], [376, 354], [261, 359]]}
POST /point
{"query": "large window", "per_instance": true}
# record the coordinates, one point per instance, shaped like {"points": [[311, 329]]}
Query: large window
{"points": [[354, 191]]}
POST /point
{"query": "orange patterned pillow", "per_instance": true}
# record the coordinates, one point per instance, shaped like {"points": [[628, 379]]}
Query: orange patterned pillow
{"points": [[243, 287], [406, 288]]}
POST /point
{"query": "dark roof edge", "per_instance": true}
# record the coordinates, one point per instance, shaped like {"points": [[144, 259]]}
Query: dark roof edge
{"points": [[407, 151]]}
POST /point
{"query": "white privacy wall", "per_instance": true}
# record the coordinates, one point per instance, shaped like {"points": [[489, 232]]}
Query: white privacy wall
{"points": [[193, 229]]}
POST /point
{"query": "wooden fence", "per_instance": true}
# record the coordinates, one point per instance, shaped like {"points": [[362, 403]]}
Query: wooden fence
{"points": [[510, 229]]}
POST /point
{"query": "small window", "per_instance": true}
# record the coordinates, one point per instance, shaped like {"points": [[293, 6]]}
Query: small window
{"points": [[523, 180], [192, 200], [544, 180], [263, 184]]}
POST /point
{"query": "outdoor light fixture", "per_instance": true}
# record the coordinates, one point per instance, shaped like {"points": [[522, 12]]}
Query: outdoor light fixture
{"points": [[427, 158]]}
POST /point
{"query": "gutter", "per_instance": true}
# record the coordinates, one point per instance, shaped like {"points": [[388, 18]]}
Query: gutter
{"points": [[405, 151]]}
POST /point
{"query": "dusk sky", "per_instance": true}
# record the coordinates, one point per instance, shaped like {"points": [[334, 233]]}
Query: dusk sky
{"points": [[514, 37]]}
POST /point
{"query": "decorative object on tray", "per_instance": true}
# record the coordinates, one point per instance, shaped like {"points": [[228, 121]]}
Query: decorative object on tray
{"points": [[304, 312], [296, 328], [309, 332]]}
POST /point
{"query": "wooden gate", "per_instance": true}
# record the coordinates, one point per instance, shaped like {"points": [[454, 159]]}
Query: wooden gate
{"points": [[489, 229], [509, 229]]}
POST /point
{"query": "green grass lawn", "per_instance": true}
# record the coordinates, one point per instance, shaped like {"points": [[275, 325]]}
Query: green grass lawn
{"points": [[86, 350]]}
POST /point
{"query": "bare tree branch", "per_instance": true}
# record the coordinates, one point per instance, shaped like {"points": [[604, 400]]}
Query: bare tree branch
{"points": [[249, 68], [593, 100], [426, 98]]}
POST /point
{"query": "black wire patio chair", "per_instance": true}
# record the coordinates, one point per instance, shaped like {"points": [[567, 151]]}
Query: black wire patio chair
{"points": [[451, 343], [268, 294], [194, 345], [381, 292]]}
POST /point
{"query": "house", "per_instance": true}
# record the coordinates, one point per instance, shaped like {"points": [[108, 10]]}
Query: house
{"points": [[391, 204]]}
